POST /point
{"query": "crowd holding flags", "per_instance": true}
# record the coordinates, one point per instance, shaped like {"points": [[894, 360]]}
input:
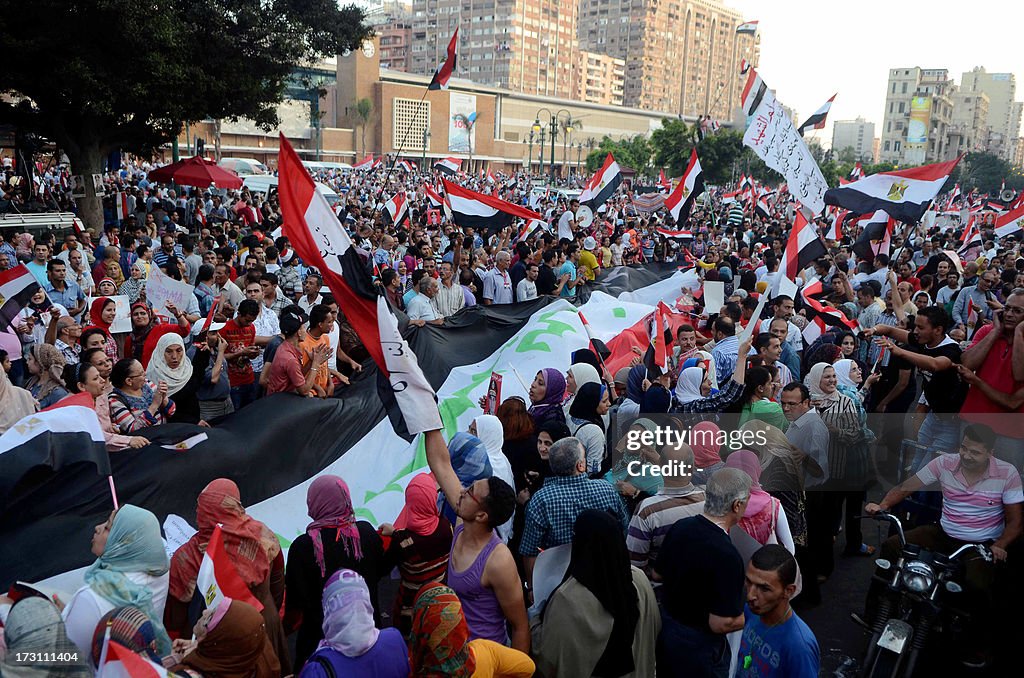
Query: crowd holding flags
{"points": [[482, 212]]}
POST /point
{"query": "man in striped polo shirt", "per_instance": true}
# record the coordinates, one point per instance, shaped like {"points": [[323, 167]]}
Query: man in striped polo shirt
{"points": [[981, 503]]}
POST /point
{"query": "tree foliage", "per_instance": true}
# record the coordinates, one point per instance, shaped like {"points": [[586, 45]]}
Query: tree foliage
{"points": [[633, 152], [95, 76]]}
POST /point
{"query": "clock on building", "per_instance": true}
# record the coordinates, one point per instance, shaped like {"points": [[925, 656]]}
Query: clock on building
{"points": [[368, 49]]}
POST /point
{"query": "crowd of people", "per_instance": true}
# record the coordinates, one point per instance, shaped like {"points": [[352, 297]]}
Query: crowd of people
{"points": [[541, 542]]}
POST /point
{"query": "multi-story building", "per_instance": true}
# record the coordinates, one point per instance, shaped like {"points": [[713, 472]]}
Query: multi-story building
{"points": [[682, 56], [395, 41], [858, 135], [969, 130], [527, 46], [600, 79], [1018, 157], [918, 112], [1004, 113]]}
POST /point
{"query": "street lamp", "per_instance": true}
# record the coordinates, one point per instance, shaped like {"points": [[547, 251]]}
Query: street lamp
{"points": [[426, 141], [579, 155], [537, 128], [554, 132], [529, 156]]}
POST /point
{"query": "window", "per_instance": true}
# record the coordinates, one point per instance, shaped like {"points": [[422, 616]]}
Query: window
{"points": [[411, 114], [902, 105], [894, 88], [886, 146], [896, 146], [904, 88]]}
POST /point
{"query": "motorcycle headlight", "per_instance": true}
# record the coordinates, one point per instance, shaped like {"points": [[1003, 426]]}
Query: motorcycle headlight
{"points": [[918, 577]]}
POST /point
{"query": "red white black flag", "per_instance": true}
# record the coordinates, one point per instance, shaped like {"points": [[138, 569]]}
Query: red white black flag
{"points": [[318, 237], [447, 67], [803, 248], [17, 285], [904, 195], [482, 212], [690, 186], [817, 119], [397, 209]]}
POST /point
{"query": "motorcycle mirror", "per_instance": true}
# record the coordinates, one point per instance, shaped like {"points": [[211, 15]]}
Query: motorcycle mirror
{"points": [[882, 564], [953, 587]]}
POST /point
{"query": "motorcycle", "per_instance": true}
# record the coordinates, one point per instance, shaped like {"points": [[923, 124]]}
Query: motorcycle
{"points": [[920, 599]]}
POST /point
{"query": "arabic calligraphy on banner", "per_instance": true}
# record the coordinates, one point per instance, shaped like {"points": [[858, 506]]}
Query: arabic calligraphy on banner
{"points": [[773, 136]]}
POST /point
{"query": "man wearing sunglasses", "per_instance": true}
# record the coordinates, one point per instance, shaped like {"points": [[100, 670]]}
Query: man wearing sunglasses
{"points": [[481, 569]]}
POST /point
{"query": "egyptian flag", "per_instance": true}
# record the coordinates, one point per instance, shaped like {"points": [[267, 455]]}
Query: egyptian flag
{"points": [[824, 315], [675, 235], [449, 166], [318, 237], [753, 92], [1006, 225], [749, 28], [490, 177], [366, 164], [663, 182], [904, 195], [218, 577], [447, 67], [656, 357], [406, 166], [17, 285], [954, 196], [681, 200], [972, 318], [729, 198], [971, 238], [51, 440], [1016, 205], [802, 249], [117, 661], [396, 209], [602, 185], [433, 196], [876, 237], [483, 212], [531, 228], [761, 206], [744, 66], [122, 206], [857, 172], [817, 119]]}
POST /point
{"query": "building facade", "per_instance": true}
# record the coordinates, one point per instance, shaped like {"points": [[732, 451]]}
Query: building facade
{"points": [[682, 56], [969, 130], [1004, 112], [857, 135], [601, 79], [918, 113], [527, 46]]}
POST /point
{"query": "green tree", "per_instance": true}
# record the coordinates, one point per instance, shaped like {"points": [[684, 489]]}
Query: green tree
{"points": [[986, 172], [96, 76], [363, 109], [633, 152], [673, 142]]}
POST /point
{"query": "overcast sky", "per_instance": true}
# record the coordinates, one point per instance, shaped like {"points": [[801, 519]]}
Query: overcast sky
{"points": [[811, 50]]}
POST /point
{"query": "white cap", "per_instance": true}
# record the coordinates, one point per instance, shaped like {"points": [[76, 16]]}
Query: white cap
{"points": [[589, 243], [197, 326]]}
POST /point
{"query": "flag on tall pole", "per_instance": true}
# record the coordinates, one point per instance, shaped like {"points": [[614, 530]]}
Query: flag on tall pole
{"points": [[817, 119], [750, 27], [447, 67], [681, 200]]}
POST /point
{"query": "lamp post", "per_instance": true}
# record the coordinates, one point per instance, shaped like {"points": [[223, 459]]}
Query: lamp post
{"points": [[529, 157], [426, 140], [539, 129], [579, 155], [554, 133]]}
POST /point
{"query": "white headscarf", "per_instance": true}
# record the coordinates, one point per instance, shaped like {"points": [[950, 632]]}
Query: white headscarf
{"points": [[584, 373], [15, 403], [688, 385], [490, 431], [159, 371], [842, 368], [813, 383]]}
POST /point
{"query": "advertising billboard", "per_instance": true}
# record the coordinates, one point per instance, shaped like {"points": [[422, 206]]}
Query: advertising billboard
{"points": [[920, 121], [461, 116]]}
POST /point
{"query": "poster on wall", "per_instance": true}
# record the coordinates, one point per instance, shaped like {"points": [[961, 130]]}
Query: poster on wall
{"points": [[920, 114], [461, 119]]}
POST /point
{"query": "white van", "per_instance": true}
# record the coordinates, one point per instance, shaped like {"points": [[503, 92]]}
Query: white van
{"points": [[316, 166], [244, 166], [262, 183]]}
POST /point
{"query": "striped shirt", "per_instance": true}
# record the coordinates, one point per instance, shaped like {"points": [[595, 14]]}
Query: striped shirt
{"points": [[656, 516], [975, 512]]}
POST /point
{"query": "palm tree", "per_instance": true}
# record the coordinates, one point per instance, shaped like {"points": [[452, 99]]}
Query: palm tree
{"points": [[363, 109]]}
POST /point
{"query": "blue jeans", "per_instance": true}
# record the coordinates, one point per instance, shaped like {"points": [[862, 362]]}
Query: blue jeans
{"points": [[243, 395], [687, 652], [939, 433]]}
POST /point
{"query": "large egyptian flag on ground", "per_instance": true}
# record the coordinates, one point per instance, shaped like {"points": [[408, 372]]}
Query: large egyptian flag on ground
{"points": [[449, 166], [817, 119], [681, 200], [17, 285], [602, 185], [483, 212], [447, 67], [876, 236], [904, 195], [218, 577], [317, 236], [1011, 223], [802, 249]]}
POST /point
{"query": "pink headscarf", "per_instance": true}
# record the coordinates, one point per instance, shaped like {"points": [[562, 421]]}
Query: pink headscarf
{"points": [[348, 615], [329, 504], [420, 513], [748, 462], [705, 447]]}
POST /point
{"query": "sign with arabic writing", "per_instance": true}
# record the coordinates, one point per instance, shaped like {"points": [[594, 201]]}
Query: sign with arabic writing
{"points": [[772, 135]]}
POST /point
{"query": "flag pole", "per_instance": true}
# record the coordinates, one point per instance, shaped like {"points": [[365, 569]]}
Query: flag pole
{"points": [[113, 491]]}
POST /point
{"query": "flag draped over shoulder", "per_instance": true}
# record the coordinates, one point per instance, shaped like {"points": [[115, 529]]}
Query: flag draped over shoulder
{"points": [[318, 237]]}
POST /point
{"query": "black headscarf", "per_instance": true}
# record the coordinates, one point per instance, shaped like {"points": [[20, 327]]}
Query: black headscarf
{"points": [[600, 562], [585, 355], [584, 405]]}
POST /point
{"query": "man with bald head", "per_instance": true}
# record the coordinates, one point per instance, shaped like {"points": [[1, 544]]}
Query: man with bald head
{"points": [[68, 334], [678, 498]]}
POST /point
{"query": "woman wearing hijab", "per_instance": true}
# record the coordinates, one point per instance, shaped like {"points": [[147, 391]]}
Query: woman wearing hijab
{"points": [[629, 409], [230, 642], [15, 403], [135, 402], [36, 317], [46, 369], [170, 365], [603, 619], [518, 432], [334, 540], [764, 519], [578, 375], [440, 645], [134, 285], [141, 342], [586, 421], [488, 429], [35, 630], [471, 463], [756, 400], [546, 395], [109, 267], [130, 569], [693, 389], [252, 548], [352, 644], [90, 380], [102, 313], [420, 542], [130, 627], [848, 382], [848, 467], [707, 458]]}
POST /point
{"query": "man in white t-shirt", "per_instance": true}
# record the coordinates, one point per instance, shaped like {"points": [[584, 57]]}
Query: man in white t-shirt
{"points": [[567, 222], [527, 287]]}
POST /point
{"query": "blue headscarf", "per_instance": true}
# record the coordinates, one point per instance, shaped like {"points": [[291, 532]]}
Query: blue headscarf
{"points": [[133, 545], [635, 383], [471, 463]]}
